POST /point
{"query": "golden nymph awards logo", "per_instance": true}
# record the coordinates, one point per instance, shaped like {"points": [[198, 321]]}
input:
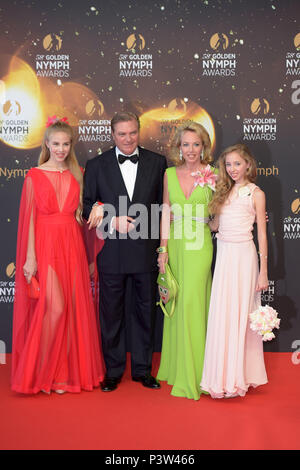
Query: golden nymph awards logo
{"points": [[7, 287], [260, 106], [95, 128], [268, 294], [13, 129], [291, 225], [133, 63], [219, 63], [177, 105], [52, 64], [52, 42], [297, 42], [159, 124], [135, 42], [295, 206], [12, 108], [20, 109], [259, 127], [292, 60]]}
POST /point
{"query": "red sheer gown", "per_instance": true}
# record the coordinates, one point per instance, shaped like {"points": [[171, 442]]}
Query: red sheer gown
{"points": [[56, 341]]}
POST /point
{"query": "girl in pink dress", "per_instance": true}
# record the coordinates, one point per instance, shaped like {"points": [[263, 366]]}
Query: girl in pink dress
{"points": [[234, 353], [56, 345]]}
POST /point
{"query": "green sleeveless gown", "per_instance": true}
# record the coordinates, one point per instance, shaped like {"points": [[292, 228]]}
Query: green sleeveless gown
{"points": [[190, 252]]}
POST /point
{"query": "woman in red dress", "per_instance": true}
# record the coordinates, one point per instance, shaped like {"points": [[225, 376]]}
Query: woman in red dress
{"points": [[56, 343]]}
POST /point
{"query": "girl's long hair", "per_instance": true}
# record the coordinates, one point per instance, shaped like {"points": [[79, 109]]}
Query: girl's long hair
{"points": [[225, 183], [71, 160]]}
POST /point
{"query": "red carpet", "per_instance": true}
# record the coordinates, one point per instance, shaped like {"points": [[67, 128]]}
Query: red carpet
{"points": [[133, 417]]}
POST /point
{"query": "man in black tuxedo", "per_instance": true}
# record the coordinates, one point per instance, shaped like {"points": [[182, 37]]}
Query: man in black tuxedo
{"points": [[128, 180]]}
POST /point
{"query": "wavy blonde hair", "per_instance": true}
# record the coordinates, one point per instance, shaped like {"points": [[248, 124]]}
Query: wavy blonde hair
{"points": [[176, 142], [224, 182], [71, 160]]}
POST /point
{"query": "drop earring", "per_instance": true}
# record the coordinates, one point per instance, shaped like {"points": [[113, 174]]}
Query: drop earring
{"points": [[202, 154], [180, 154]]}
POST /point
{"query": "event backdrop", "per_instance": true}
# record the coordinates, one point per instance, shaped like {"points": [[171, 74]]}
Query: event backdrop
{"points": [[232, 65]]}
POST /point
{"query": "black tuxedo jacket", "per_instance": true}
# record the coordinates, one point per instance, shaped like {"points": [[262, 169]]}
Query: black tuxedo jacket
{"points": [[103, 182]]}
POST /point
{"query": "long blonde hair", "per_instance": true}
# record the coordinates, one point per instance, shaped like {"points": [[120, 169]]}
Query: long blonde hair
{"points": [[71, 160], [224, 182], [201, 133]]}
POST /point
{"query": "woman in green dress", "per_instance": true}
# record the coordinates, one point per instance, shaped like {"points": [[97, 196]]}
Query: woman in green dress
{"points": [[186, 245]]}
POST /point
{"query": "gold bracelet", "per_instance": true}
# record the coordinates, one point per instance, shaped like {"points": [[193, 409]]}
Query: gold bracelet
{"points": [[162, 249], [262, 256]]}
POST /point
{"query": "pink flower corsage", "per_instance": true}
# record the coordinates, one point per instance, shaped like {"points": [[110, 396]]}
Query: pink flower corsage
{"points": [[263, 320], [206, 176], [54, 119]]}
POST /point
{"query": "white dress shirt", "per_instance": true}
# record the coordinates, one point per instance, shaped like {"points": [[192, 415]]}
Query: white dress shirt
{"points": [[128, 170]]}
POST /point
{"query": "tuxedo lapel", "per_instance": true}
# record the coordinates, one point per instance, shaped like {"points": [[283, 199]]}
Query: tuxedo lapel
{"points": [[143, 172], [114, 175]]}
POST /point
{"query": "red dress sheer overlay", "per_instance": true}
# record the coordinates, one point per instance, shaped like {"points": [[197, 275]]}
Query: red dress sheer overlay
{"points": [[93, 246], [56, 341]]}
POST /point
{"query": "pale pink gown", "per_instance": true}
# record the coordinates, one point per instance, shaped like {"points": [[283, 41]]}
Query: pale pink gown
{"points": [[234, 357]]}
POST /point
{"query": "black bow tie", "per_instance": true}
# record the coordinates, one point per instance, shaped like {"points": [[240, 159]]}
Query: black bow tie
{"points": [[132, 158]]}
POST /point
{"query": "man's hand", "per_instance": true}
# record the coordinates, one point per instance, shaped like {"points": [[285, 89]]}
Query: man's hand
{"points": [[123, 224], [96, 216]]}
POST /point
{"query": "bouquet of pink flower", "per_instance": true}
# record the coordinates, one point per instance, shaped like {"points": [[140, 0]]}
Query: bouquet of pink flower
{"points": [[263, 320], [206, 176]]}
